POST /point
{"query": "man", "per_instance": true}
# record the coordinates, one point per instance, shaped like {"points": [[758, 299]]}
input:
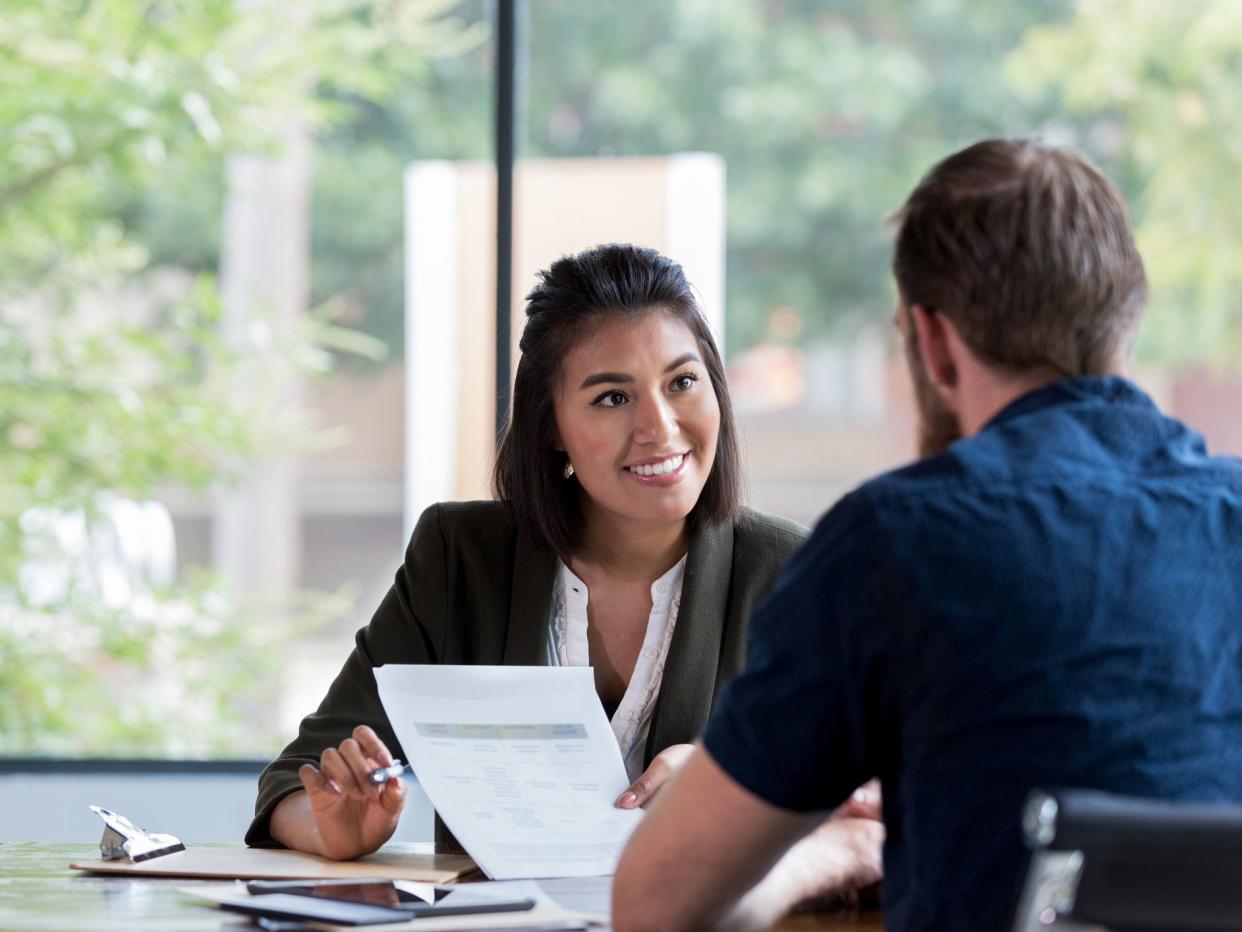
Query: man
{"points": [[1052, 596]]}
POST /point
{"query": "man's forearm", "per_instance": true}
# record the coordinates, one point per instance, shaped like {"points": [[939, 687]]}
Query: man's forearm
{"points": [[705, 841]]}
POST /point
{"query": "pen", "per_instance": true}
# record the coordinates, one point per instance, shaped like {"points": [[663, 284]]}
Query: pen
{"points": [[381, 775]]}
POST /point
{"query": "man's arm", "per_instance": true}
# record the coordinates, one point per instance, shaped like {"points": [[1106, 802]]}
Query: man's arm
{"points": [[705, 853]]}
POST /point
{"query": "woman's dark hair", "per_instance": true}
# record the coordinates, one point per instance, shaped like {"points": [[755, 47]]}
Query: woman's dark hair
{"points": [[572, 294]]}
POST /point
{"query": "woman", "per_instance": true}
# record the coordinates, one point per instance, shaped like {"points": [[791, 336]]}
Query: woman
{"points": [[617, 540]]}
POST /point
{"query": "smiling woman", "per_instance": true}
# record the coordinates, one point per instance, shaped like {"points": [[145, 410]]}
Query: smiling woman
{"points": [[617, 541], [604, 328], [644, 446]]}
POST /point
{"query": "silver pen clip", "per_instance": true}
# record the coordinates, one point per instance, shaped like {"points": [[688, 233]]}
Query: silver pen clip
{"points": [[123, 839]]}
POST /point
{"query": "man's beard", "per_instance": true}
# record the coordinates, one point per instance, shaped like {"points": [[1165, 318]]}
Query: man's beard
{"points": [[938, 426]]}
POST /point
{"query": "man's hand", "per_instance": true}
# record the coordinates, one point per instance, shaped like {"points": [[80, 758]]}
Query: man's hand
{"points": [[712, 854], [866, 802], [348, 815], [840, 857], [662, 768]]}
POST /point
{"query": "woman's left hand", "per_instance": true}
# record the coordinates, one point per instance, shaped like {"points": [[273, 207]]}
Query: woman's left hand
{"points": [[662, 768]]}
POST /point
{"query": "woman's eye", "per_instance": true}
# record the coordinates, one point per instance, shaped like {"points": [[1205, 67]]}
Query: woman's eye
{"points": [[684, 382], [610, 399]]}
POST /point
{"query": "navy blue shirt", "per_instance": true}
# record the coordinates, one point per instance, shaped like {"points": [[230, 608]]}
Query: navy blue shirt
{"points": [[1054, 602]]}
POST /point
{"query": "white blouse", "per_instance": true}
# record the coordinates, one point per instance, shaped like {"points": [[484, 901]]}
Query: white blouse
{"points": [[567, 647]]}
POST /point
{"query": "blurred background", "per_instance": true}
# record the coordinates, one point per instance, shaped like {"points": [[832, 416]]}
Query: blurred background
{"points": [[247, 256]]}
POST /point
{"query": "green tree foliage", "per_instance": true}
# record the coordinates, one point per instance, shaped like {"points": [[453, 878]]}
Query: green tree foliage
{"points": [[1153, 95], [825, 113], [114, 384]]}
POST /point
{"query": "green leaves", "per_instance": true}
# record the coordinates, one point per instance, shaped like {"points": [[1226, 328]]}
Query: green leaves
{"points": [[116, 378], [826, 116], [185, 672], [1153, 97]]}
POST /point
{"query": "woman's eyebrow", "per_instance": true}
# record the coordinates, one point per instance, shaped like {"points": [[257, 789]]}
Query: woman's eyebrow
{"points": [[600, 378], [681, 361]]}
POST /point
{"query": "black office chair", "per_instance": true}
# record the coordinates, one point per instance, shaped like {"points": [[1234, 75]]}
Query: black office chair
{"points": [[1130, 864]]}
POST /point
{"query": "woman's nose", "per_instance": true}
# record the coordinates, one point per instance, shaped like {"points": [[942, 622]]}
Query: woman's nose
{"points": [[656, 423]]}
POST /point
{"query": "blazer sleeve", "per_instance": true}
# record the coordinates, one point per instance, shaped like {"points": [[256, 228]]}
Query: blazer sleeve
{"points": [[762, 545], [408, 627]]}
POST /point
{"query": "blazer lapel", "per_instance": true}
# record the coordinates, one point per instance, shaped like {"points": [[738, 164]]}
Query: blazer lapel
{"points": [[530, 603], [689, 681]]}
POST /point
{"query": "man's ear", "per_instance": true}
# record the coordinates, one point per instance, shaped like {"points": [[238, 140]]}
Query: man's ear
{"points": [[935, 348]]}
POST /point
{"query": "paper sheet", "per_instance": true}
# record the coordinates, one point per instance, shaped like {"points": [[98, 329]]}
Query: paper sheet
{"points": [[519, 762]]}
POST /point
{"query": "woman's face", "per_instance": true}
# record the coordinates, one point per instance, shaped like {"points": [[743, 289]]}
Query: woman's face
{"points": [[638, 417]]}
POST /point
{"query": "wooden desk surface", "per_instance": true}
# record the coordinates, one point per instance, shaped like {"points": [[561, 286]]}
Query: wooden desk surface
{"points": [[39, 893]]}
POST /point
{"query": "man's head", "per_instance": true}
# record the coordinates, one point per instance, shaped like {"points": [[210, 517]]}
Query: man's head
{"points": [[1020, 256]]}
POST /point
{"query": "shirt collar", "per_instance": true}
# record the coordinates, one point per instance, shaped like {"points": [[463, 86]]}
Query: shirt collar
{"points": [[663, 590], [1110, 389], [667, 586]]}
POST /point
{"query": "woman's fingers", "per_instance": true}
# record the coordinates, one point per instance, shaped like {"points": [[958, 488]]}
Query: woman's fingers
{"points": [[641, 789], [334, 766], [392, 795], [348, 767], [372, 746], [360, 765], [662, 767], [316, 783]]}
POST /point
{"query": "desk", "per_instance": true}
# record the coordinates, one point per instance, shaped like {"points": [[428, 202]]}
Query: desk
{"points": [[38, 893]]}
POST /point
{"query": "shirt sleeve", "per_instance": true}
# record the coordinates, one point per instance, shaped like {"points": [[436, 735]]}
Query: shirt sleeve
{"points": [[797, 726], [408, 627]]}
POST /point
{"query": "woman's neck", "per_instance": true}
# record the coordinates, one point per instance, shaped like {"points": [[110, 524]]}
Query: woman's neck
{"points": [[631, 550]]}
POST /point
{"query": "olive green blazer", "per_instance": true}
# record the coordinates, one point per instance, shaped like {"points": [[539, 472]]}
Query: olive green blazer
{"points": [[474, 589]]}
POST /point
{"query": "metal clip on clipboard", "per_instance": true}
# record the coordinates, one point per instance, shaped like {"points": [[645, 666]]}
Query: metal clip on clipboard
{"points": [[122, 839]]}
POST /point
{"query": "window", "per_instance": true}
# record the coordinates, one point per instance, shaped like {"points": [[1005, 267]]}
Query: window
{"points": [[207, 245]]}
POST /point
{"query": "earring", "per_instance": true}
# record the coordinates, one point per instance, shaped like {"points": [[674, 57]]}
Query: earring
{"points": [[569, 469]]}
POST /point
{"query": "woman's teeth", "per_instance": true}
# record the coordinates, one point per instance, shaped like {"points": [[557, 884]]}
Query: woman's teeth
{"points": [[658, 469]]}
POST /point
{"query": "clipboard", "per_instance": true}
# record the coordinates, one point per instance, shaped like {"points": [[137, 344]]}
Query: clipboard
{"points": [[415, 862]]}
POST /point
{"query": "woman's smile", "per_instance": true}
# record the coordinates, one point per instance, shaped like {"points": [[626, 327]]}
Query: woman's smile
{"points": [[670, 469]]}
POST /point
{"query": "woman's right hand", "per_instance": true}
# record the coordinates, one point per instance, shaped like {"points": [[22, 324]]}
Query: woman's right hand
{"points": [[353, 816]]}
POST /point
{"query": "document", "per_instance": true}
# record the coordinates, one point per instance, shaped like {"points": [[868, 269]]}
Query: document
{"points": [[519, 762]]}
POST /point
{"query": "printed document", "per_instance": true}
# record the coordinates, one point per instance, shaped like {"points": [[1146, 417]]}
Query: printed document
{"points": [[519, 762]]}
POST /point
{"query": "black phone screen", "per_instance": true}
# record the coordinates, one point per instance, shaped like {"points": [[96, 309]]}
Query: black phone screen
{"points": [[371, 892]]}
